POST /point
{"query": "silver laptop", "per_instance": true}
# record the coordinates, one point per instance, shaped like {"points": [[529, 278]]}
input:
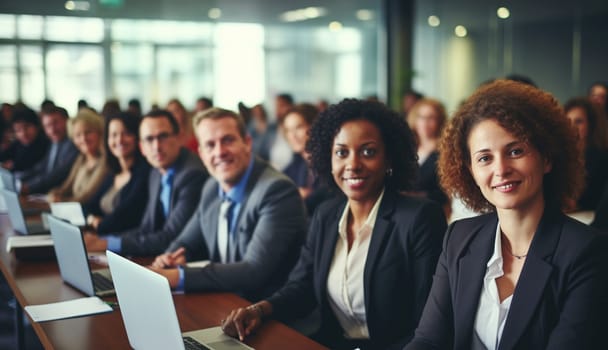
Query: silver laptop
{"points": [[146, 305], [73, 262], [17, 216], [8, 180]]}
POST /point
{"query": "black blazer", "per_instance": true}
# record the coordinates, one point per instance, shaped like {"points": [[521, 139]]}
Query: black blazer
{"points": [[403, 252], [428, 181], [152, 236], [132, 200], [559, 301]]}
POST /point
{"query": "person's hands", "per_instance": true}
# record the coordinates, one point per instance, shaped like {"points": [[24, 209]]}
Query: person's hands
{"points": [[244, 321], [94, 243], [94, 221], [173, 259], [172, 275], [53, 198]]}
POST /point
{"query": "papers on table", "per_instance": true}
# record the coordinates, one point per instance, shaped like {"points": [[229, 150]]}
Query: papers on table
{"points": [[16, 242], [200, 263], [67, 309], [69, 211]]}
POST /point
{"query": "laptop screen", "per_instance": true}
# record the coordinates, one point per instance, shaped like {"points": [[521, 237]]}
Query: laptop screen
{"points": [[146, 305], [71, 255]]}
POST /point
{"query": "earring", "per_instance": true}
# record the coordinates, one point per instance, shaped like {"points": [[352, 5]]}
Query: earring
{"points": [[389, 172]]}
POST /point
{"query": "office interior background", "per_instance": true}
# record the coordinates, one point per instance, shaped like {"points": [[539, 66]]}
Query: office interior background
{"points": [[250, 50]]}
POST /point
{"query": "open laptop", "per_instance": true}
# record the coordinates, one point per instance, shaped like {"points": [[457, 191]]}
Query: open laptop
{"points": [[17, 216], [8, 180], [148, 312], [73, 262], [69, 211]]}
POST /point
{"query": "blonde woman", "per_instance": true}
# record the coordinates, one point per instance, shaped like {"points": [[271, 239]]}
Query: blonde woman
{"points": [[427, 119], [89, 169]]}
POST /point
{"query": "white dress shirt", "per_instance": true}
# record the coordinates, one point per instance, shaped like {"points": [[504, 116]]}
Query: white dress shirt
{"points": [[345, 279], [491, 313]]}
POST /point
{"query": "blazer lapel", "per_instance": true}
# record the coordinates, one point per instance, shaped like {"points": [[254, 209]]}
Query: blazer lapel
{"points": [[154, 198], [471, 270], [329, 246], [381, 232], [533, 279], [209, 228], [240, 231]]}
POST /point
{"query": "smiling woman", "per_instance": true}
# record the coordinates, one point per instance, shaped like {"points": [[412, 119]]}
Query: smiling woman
{"points": [[368, 260], [120, 202], [524, 275], [89, 169]]}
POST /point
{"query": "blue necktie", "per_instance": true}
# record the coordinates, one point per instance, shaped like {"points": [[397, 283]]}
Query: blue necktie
{"points": [[165, 191]]}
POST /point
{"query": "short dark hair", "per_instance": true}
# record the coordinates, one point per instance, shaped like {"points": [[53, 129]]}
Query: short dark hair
{"points": [[25, 114], [308, 111], [397, 137], [206, 100], [163, 113], [57, 110], [131, 123], [217, 113], [529, 114], [286, 97]]}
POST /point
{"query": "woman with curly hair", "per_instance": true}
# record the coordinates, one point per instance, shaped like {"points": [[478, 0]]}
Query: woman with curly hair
{"points": [[524, 275], [370, 254]]}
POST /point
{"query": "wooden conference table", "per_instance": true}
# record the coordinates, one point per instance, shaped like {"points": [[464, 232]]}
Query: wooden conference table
{"points": [[39, 282]]}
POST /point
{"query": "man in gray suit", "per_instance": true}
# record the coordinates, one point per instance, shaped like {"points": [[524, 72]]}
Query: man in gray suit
{"points": [[54, 168], [174, 188], [253, 247]]}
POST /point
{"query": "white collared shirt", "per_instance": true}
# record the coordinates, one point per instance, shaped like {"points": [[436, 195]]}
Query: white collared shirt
{"points": [[491, 313], [345, 279]]}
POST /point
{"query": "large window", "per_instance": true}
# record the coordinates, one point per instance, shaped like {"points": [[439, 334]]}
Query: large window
{"points": [[70, 58], [75, 72]]}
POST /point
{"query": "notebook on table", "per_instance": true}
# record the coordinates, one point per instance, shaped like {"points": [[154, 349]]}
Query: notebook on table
{"points": [[148, 312], [73, 260]]}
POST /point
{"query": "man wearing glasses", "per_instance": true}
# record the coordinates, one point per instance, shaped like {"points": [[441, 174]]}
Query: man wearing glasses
{"points": [[174, 190]]}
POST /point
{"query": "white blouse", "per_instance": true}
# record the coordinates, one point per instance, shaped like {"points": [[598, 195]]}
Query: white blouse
{"points": [[345, 279], [491, 313]]}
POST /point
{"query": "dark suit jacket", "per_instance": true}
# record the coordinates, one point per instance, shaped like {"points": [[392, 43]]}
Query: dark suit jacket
{"points": [[559, 301], [271, 227], [38, 180], [600, 220], [25, 157], [403, 252], [596, 178], [132, 200], [428, 181], [152, 238]]}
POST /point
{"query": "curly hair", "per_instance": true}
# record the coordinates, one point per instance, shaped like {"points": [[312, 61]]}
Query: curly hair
{"points": [[398, 140], [529, 114]]}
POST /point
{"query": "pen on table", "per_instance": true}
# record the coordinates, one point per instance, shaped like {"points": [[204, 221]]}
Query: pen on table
{"points": [[112, 303]]}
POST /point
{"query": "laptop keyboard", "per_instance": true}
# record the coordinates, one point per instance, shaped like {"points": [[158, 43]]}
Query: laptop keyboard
{"points": [[101, 282], [192, 344]]}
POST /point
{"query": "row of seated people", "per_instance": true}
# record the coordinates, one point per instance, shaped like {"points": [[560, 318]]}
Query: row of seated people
{"points": [[368, 259], [522, 276]]}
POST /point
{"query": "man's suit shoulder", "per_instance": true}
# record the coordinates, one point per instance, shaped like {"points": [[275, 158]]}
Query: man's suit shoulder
{"points": [[269, 177], [190, 162]]}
